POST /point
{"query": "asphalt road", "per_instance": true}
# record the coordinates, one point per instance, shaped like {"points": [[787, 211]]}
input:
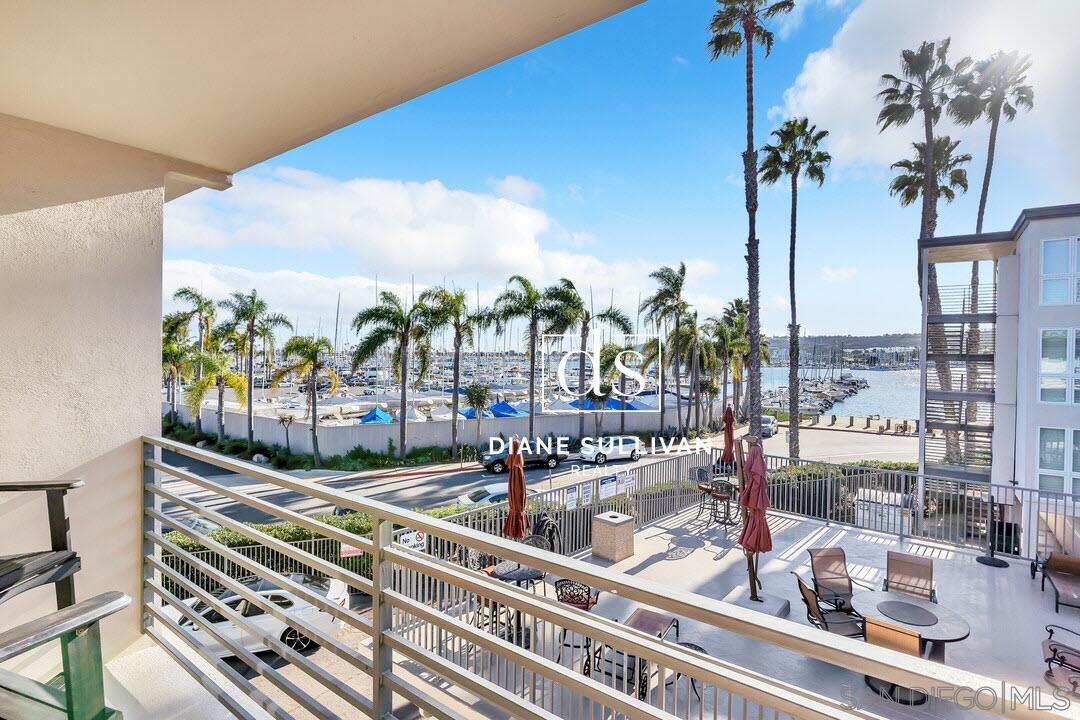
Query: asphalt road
{"points": [[411, 492]]}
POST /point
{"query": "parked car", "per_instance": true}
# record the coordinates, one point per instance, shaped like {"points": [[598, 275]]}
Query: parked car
{"points": [[334, 590], [496, 462], [620, 447], [199, 524], [768, 426], [488, 494]]}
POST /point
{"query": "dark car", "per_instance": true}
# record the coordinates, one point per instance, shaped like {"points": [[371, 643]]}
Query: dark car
{"points": [[496, 462]]}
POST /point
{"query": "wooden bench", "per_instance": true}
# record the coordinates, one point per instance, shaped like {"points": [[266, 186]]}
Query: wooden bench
{"points": [[1063, 572]]}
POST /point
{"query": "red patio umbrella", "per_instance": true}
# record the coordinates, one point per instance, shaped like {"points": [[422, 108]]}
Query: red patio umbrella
{"points": [[517, 524], [754, 499], [727, 458]]}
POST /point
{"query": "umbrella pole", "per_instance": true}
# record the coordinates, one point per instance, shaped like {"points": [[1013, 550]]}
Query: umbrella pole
{"points": [[751, 569]]}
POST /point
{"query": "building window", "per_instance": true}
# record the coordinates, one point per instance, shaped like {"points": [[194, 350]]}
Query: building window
{"points": [[1059, 272], [1059, 366], [1052, 453]]}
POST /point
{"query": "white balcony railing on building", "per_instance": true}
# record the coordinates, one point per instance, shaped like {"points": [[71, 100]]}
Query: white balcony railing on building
{"points": [[422, 641]]}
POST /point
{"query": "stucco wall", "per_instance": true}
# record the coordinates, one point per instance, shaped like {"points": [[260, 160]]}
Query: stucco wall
{"points": [[80, 308]]}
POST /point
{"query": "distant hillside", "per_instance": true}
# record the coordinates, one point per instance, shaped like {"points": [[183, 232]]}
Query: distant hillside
{"points": [[825, 343]]}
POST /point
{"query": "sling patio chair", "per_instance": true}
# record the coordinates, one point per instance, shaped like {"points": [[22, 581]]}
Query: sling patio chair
{"points": [[910, 574], [832, 582], [893, 637], [827, 618], [24, 571], [1062, 660]]}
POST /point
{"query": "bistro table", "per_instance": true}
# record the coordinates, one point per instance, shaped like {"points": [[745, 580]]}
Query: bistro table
{"points": [[935, 623], [514, 572]]}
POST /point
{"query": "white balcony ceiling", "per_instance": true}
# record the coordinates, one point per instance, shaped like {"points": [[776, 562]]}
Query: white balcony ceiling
{"points": [[226, 85]]}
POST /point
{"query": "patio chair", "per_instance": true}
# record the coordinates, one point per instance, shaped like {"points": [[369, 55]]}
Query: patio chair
{"points": [[910, 574], [24, 571], [489, 612], [576, 595], [828, 618], [887, 635], [543, 543], [1063, 572], [1062, 660], [832, 582]]}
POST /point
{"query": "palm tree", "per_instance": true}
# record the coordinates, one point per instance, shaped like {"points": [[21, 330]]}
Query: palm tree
{"points": [[247, 309], [264, 329], [214, 361], [391, 324], [176, 354], [667, 303], [601, 392], [204, 309], [720, 338], [450, 308], [573, 310], [795, 153], [949, 178], [738, 24], [476, 394], [522, 299], [310, 356]]}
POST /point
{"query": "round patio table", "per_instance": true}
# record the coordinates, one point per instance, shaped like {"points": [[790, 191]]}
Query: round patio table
{"points": [[933, 622]]}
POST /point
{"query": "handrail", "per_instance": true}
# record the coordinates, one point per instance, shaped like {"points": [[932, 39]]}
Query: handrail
{"points": [[856, 656], [43, 486], [50, 627]]}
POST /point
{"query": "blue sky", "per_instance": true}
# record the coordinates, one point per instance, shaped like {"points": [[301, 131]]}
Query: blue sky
{"points": [[616, 149]]}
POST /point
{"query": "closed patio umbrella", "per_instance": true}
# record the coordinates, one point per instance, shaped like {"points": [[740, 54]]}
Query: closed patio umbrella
{"points": [[727, 458], [517, 524], [754, 499]]}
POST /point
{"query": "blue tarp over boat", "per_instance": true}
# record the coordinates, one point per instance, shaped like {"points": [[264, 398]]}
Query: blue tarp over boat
{"points": [[505, 409], [376, 415], [611, 404], [470, 413]]}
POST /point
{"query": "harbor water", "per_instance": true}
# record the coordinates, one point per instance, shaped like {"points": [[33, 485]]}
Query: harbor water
{"points": [[892, 393]]}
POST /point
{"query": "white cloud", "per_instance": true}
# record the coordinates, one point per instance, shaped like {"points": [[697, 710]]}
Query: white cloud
{"points": [[838, 275], [381, 221], [680, 61], [516, 188], [791, 21], [837, 85]]}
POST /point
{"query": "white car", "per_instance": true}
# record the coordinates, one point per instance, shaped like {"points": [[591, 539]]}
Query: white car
{"points": [[495, 493], [334, 590], [620, 447], [768, 426]]}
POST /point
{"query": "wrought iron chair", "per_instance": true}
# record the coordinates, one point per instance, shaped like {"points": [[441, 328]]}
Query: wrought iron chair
{"points": [[576, 595], [883, 634], [832, 582], [541, 542], [828, 618], [1062, 660], [910, 574]]}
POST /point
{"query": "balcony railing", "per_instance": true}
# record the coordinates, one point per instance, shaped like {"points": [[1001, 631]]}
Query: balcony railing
{"points": [[958, 300], [423, 641]]}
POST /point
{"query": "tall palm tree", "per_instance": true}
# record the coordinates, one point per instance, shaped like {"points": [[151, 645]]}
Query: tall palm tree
{"points": [[738, 24], [247, 309], [476, 394], [995, 87], [214, 361], [310, 356], [404, 329], [539, 308], [574, 311], [599, 394], [667, 303], [450, 308], [204, 309], [720, 337], [177, 354], [264, 330], [949, 178], [796, 153]]}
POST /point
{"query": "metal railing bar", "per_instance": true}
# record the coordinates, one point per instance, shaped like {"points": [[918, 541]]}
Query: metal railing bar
{"points": [[505, 700], [313, 670], [755, 686], [410, 690], [302, 556], [566, 677], [261, 571], [219, 693], [292, 516], [342, 651], [247, 657]]}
